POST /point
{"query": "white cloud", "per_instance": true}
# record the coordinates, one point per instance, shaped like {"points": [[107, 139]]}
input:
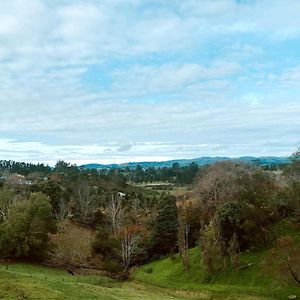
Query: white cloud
{"points": [[178, 72], [244, 131], [143, 79], [291, 77]]}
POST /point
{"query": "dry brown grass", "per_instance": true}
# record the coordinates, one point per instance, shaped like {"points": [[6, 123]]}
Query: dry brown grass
{"points": [[73, 245]]}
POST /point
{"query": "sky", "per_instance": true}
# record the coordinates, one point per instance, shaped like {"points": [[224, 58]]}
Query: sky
{"points": [[108, 81]]}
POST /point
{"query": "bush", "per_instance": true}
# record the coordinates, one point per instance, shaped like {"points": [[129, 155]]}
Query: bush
{"points": [[25, 233], [112, 266], [106, 244]]}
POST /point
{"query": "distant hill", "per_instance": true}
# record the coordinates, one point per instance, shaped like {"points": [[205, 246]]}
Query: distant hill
{"points": [[201, 161]]}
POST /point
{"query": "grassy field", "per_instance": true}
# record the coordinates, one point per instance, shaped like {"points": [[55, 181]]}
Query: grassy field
{"points": [[167, 281], [26, 281], [173, 189]]}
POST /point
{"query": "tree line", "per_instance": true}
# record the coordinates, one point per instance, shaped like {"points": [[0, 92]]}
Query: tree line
{"points": [[175, 174]]}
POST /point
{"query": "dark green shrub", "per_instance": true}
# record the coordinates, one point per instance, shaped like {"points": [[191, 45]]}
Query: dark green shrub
{"points": [[112, 266]]}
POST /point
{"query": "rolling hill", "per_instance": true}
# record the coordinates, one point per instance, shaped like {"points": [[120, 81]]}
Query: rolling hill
{"points": [[201, 161]]}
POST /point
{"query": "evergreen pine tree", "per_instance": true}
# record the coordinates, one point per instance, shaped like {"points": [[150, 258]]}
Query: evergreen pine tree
{"points": [[163, 239]]}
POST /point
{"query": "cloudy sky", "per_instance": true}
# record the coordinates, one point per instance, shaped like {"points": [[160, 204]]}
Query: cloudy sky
{"points": [[134, 80]]}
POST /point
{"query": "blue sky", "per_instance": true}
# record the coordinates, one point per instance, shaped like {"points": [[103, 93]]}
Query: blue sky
{"points": [[134, 80]]}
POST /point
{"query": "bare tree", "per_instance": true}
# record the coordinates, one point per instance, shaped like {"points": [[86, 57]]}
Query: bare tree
{"points": [[62, 213], [116, 212], [129, 245], [216, 185], [84, 200], [212, 189]]}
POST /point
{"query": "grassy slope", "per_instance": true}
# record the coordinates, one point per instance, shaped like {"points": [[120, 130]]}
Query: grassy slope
{"points": [[26, 281], [251, 281]]}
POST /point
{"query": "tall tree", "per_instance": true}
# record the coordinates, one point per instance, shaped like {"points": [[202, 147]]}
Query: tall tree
{"points": [[129, 244], [25, 233], [183, 237], [163, 239], [116, 212], [83, 201]]}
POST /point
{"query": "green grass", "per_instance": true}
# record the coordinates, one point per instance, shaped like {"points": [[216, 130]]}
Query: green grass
{"points": [[27, 281], [176, 190], [169, 273]]}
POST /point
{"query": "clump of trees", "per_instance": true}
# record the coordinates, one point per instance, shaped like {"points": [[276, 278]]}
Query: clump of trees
{"points": [[129, 234], [24, 231], [86, 198], [237, 206]]}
